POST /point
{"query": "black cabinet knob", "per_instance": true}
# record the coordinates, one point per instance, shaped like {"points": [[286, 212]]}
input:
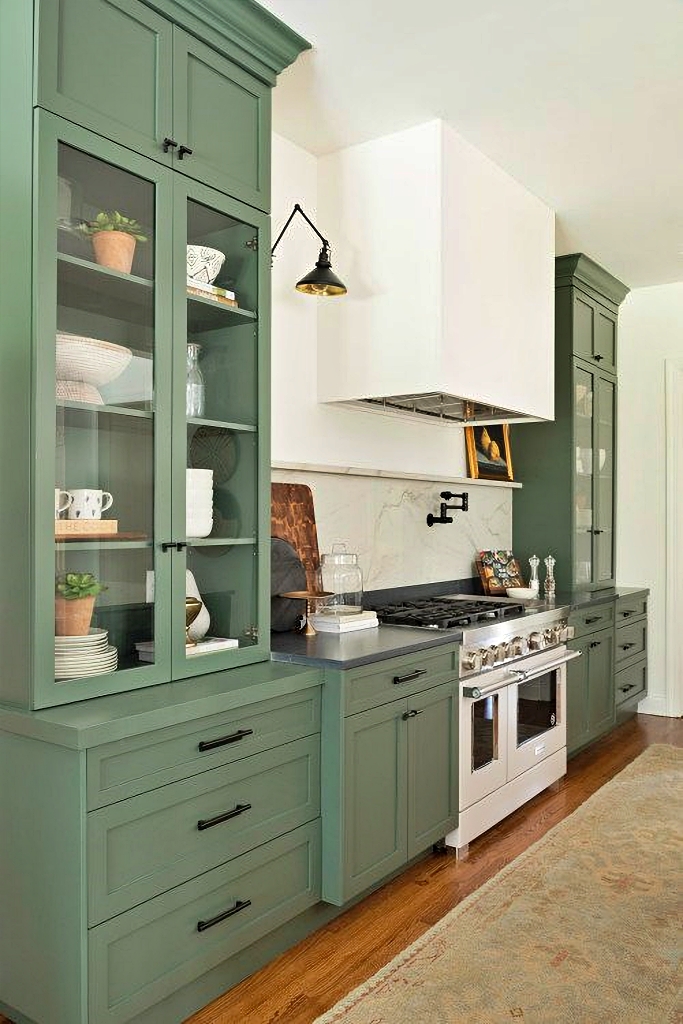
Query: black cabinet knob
{"points": [[184, 151], [169, 144]]}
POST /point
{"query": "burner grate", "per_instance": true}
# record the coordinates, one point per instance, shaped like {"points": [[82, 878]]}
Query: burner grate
{"points": [[445, 613]]}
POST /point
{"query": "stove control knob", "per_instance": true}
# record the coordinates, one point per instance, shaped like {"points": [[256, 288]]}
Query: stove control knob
{"points": [[518, 646], [471, 661], [494, 651], [535, 641], [504, 650], [487, 657], [550, 636]]}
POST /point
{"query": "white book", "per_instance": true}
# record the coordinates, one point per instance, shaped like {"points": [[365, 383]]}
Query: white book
{"points": [[210, 289], [344, 623], [145, 648]]}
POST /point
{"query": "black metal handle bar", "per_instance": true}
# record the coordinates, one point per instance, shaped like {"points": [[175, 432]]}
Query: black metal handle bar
{"points": [[411, 675], [238, 809], [233, 737], [239, 905]]}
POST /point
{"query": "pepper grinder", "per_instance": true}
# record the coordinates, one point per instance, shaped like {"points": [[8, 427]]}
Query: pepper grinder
{"points": [[549, 582], [534, 562]]}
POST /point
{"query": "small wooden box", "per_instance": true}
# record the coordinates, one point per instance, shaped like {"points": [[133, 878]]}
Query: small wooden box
{"points": [[86, 527]]}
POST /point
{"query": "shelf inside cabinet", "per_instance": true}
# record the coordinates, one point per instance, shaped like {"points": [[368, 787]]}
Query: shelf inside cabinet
{"points": [[95, 289], [104, 542], [221, 425], [219, 542], [114, 410], [209, 314]]}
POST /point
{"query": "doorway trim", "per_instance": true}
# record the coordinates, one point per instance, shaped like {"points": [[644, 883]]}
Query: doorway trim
{"points": [[674, 536]]}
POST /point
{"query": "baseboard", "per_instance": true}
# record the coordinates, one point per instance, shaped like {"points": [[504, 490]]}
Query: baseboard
{"points": [[655, 706]]}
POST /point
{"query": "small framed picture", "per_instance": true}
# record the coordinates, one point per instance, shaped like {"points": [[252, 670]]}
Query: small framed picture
{"points": [[488, 452]]}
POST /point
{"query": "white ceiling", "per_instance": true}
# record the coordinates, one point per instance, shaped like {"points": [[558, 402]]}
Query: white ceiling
{"points": [[580, 100]]}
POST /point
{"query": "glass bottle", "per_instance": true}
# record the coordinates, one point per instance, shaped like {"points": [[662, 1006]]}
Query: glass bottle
{"points": [[195, 394]]}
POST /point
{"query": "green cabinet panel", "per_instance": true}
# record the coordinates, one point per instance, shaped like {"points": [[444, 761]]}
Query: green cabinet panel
{"points": [[389, 775], [567, 503], [631, 640], [590, 689], [432, 767], [140, 847], [593, 618], [631, 685], [127, 767], [631, 654], [223, 115], [139, 957], [107, 65], [375, 795], [396, 677], [175, 99]]}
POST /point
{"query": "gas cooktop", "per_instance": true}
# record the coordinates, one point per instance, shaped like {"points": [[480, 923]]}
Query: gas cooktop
{"points": [[452, 611]]}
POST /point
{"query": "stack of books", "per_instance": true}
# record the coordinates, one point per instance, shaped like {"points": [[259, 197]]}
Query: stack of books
{"points": [[329, 622], [206, 645], [211, 291]]}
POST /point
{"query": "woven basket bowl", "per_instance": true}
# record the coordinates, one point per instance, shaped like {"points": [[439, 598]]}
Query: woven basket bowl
{"points": [[89, 359]]}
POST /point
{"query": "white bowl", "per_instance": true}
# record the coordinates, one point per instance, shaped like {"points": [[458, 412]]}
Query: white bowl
{"points": [[204, 263], [90, 360], [199, 476], [521, 593]]}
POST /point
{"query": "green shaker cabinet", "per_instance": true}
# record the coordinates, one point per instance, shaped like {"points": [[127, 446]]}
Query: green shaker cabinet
{"points": [[590, 680], [125, 384], [567, 504], [390, 772], [121, 69], [630, 653]]}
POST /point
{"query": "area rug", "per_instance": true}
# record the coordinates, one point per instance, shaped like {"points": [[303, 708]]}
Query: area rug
{"points": [[584, 927]]}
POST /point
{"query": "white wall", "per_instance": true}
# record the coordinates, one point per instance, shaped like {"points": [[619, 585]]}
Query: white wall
{"points": [[650, 332]]}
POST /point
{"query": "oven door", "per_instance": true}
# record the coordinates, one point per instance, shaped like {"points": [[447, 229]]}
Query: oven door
{"points": [[537, 710], [483, 737]]}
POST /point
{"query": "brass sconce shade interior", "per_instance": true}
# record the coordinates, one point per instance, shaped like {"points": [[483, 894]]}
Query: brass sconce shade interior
{"points": [[321, 280]]}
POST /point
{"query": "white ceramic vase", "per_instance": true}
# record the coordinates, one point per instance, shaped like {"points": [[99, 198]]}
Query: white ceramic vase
{"points": [[200, 627]]}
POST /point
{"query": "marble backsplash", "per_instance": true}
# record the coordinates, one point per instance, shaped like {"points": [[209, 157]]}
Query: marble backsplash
{"points": [[383, 519]]}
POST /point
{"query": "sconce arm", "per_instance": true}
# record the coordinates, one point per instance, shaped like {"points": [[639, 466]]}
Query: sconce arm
{"points": [[297, 209]]}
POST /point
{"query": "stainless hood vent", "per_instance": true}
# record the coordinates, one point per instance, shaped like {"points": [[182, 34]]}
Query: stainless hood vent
{"points": [[442, 406]]}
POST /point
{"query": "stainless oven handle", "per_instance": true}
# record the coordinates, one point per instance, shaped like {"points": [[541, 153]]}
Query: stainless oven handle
{"points": [[550, 665]]}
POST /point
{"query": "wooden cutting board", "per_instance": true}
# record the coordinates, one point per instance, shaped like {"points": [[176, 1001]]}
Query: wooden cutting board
{"points": [[292, 518]]}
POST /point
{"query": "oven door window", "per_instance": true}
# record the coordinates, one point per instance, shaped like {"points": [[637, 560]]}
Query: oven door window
{"points": [[537, 706], [485, 720]]}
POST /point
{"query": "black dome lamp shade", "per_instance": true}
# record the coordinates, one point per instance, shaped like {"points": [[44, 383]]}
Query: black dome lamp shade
{"points": [[321, 280]]}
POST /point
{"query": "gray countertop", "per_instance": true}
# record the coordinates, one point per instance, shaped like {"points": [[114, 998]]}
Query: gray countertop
{"points": [[327, 650]]}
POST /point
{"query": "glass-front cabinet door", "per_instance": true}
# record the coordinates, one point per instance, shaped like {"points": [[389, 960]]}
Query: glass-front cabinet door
{"points": [[583, 476], [605, 436], [221, 480], [148, 377]]}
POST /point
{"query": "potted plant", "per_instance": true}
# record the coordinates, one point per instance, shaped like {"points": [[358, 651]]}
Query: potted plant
{"points": [[75, 594], [113, 238]]}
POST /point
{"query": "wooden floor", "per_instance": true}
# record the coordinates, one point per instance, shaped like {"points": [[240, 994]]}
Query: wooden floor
{"points": [[308, 979]]}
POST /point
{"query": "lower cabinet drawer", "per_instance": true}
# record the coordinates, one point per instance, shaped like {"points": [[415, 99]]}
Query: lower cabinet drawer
{"points": [[143, 846], [631, 682], [630, 607], [125, 767], [141, 957], [374, 684], [631, 640], [589, 619]]}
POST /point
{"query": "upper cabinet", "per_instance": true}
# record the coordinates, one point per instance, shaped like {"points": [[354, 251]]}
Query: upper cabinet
{"points": [[449, 265], [124, 71], [134, 387], [587, 301], [567, 504]]}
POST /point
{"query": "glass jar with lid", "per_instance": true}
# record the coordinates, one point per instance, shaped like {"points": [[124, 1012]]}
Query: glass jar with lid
{"points": [[342, 576]]}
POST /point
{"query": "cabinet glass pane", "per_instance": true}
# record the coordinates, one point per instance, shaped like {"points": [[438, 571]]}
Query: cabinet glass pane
{"points": [[222, 438], [605, 425], [583, 476], [105, 417]]}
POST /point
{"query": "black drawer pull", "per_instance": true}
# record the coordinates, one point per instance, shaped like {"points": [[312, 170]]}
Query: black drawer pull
{"points": [[411, 675], [629, 686], [169, 144], [598, 358], [184, 151], [222, 741], [595, 643], [593, 618], [626, 614], [626, 647], [596, 532], [411, 714], [239, 905], [220, 818]]}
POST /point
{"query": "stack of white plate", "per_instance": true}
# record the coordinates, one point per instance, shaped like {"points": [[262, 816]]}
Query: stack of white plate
{"points": [[199, 503], [78, 656]]}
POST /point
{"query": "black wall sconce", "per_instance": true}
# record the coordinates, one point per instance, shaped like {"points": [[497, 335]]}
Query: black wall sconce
{"points": [[321, 280], [443, 516]]}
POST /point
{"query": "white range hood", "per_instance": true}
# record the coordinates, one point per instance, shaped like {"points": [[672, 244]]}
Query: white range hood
{"points": [[449, 265]]}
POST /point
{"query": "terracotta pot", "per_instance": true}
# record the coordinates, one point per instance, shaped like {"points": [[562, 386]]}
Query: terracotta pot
{"points": [[73, 618], [114, 249]]}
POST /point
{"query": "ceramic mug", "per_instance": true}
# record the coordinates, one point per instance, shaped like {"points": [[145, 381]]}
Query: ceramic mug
{"points": [[62, 501], [87, 503]]}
